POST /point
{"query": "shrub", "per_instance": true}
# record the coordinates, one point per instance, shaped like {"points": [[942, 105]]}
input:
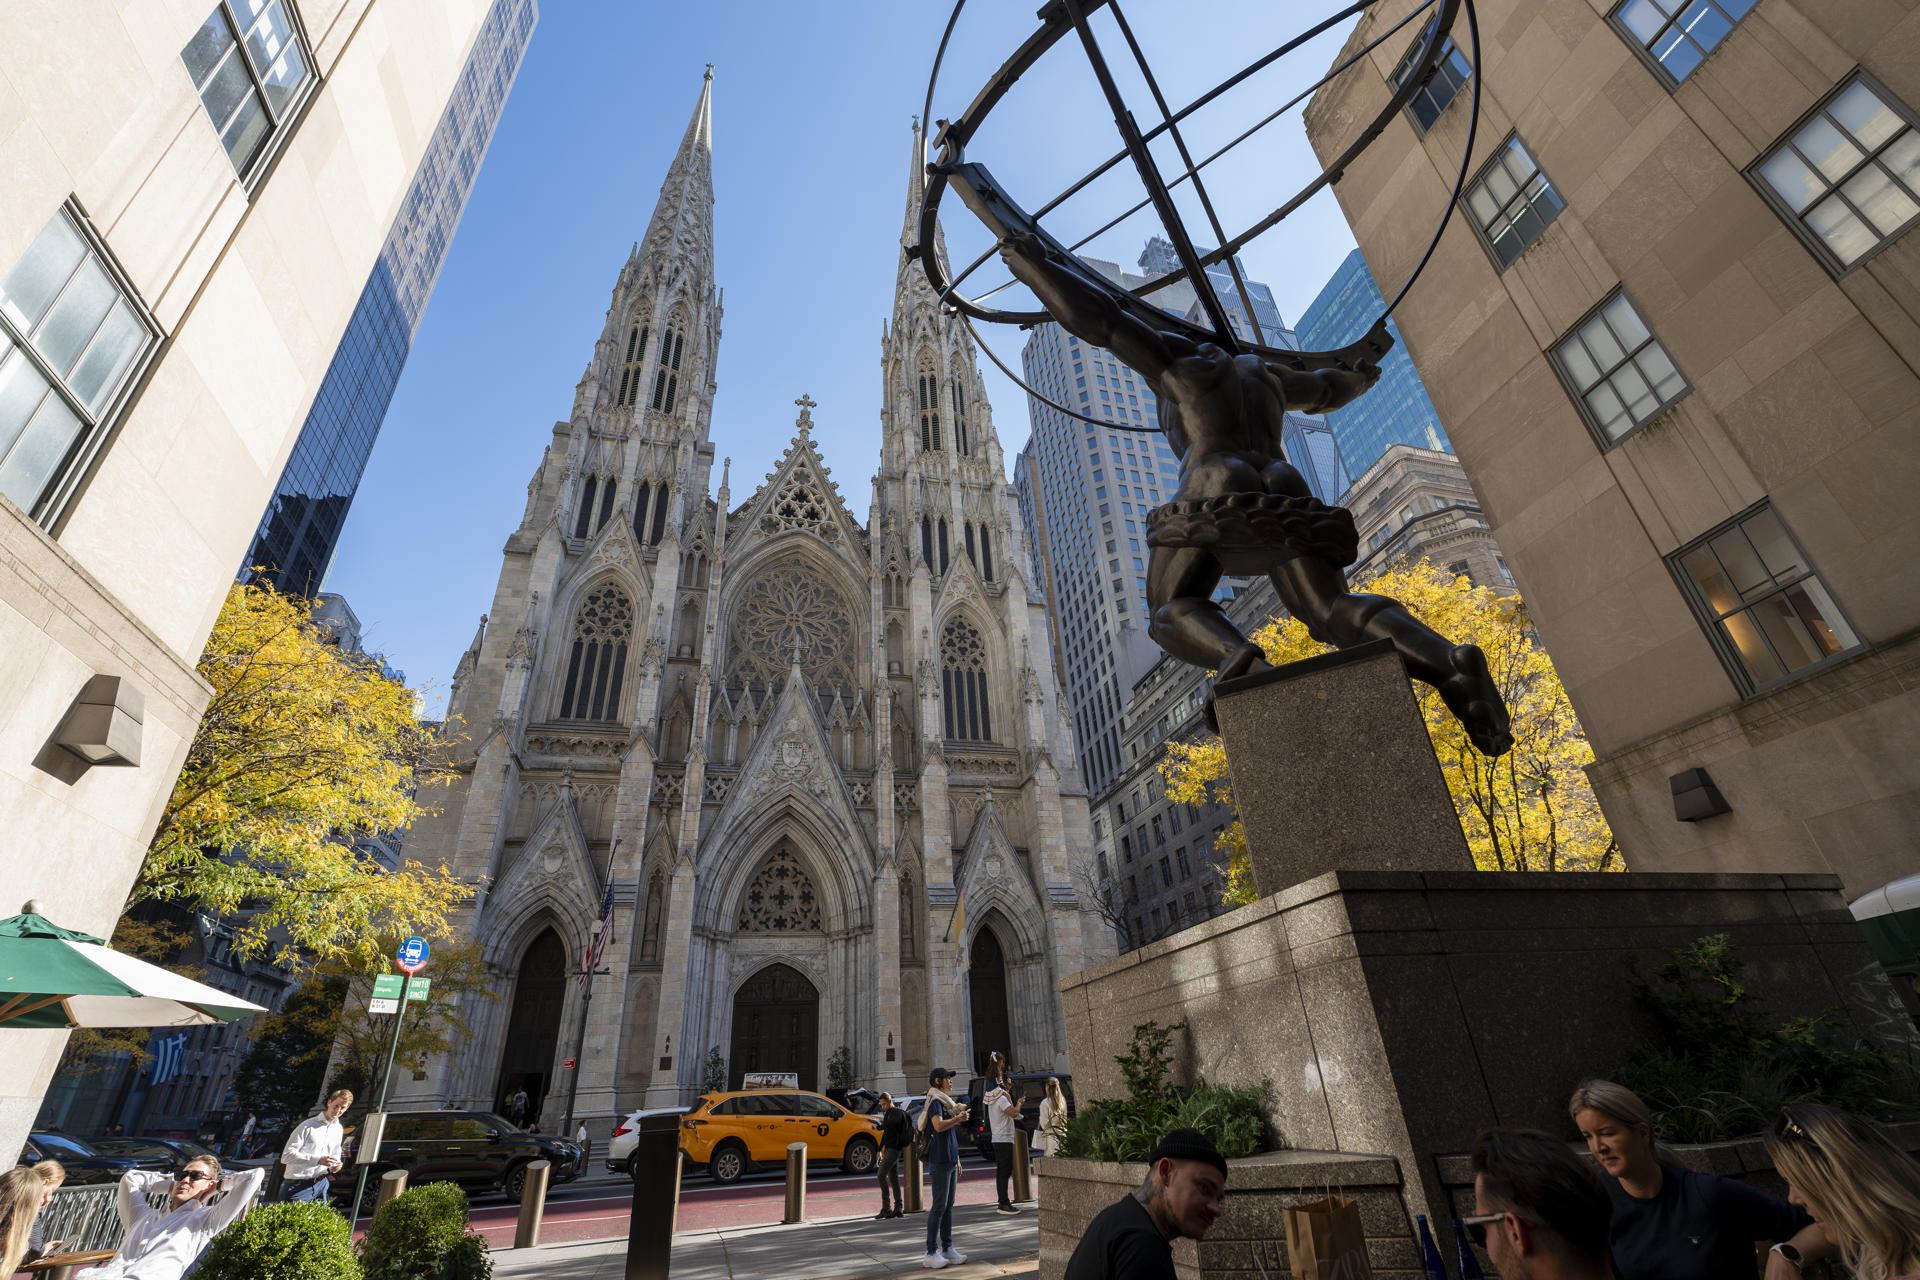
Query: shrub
{"points": [[303, 1241], [840, 1068], [421, 1234], [1719, 1066], [1127, 1129], [713, 1078]]}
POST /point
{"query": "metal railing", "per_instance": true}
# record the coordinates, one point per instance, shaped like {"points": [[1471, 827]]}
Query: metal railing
{"points": [[84, 1219]]}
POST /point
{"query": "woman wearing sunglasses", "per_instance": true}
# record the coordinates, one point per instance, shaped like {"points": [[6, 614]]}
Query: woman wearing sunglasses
{"points": [[1863, 1190], [162, 1243], [1670, 1223]]}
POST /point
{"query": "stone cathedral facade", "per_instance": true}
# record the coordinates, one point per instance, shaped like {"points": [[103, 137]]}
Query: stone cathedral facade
{"points": [[819, 762]]}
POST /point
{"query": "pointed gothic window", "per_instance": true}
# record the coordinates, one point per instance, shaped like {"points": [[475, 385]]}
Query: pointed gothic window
{"points": [[582, 525], [640, 513], [963, 683], [943, 544], [606, 502], [597, 662], [986, 554], [926, 540], [636, 358], [969, 539], [650, 932], [909, 940], [960, 440], [659, 516], [781, 899], [666, 383], [929, 384]]}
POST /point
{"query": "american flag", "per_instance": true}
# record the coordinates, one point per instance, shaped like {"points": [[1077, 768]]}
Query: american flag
{"points": [[597, 944]]}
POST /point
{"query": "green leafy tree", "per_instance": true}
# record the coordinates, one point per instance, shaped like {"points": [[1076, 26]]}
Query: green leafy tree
{"points": [[286, 1063], [840, 1068], [713, 1077]]}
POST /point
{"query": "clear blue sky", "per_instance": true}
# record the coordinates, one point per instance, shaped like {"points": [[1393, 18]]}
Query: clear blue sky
{"points": [[812, 105]]}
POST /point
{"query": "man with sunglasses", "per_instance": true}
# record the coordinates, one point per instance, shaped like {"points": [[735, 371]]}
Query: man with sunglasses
{"points": [[1540, 1211], [161, 1244]]}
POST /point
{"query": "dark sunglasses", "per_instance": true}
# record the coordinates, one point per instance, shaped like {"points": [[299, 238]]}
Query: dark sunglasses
{"points": [[1477, 1225]]}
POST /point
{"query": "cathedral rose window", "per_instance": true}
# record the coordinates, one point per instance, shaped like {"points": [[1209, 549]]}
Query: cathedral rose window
{"points": [[781, 899], [790, 608], [597, 662]]}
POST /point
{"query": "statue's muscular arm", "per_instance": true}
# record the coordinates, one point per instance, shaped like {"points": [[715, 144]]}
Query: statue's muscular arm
{"points": [[1324, 390], [1090, 312]]}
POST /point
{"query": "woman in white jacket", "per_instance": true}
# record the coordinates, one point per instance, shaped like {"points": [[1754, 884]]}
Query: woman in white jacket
{"points": [[162, 1243], [1053, 1118]]}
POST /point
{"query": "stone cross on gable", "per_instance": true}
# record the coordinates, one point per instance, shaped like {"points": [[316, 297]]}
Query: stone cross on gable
{"points": [[807, 404]]}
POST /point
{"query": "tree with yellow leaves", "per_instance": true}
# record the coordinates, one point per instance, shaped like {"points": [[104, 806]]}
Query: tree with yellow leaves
{"points": [[304, 750], [1529, 810]]}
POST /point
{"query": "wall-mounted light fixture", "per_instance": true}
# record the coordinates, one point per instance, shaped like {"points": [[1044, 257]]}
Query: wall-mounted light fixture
{"points": [[103, 725], [1695, 797]]}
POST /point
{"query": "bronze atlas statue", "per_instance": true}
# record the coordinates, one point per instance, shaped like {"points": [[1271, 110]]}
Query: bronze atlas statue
{"points": [[1241, 507]]}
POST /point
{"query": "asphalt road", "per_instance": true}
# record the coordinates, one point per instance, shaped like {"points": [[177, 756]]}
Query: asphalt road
{"points": [[599, 1208]]}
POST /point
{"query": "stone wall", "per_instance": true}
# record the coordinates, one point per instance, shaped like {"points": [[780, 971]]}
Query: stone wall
{"points": [[1399, 1013]]}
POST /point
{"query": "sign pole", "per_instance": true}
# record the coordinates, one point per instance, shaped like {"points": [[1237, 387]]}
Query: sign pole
{"points": [[386, 1077]]}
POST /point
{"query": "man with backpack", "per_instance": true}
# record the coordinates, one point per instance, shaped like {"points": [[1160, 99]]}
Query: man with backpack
{"points": [[896, 1135]]}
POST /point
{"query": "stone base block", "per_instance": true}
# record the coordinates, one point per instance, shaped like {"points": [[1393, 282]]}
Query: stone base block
{"points": [[1332, 768]]}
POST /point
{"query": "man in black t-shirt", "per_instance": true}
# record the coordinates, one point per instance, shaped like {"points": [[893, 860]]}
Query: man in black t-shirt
{"points": [[1185, 1190], [896, 1135]]}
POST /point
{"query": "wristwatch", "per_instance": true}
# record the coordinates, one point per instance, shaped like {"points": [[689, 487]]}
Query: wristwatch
{"points": [[1791, 1254]]}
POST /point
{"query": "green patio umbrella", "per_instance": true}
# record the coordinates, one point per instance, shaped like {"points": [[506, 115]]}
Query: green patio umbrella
{"points": [[54, 977]]}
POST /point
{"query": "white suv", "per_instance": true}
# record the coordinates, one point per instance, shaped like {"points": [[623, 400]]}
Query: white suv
{"points": [[627, 1133]]}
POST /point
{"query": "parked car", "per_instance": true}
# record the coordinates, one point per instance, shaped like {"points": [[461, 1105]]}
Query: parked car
{"points": [[177, 1152], [477, 1149], [730, 1133], [1030, 1086], [626, 1135], [84, 1162]]}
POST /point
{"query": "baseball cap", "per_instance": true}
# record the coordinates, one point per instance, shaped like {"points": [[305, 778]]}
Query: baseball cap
{"points": [[939, 1073]]}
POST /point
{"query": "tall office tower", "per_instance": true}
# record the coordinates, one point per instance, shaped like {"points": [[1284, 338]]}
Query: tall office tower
{"points": [[193, 193], [302, 524], [1674, 330], [1396, 410]]}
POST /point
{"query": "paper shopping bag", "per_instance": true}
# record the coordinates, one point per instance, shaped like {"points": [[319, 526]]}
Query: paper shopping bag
{"points": [[1325, 1240]]}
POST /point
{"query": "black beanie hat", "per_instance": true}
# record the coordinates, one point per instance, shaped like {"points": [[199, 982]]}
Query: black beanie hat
{"points": [[1188, 1144]]}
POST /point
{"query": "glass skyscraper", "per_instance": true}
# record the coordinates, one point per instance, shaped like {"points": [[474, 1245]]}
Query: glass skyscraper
{"points": [[302, 524], [1396, 410]]}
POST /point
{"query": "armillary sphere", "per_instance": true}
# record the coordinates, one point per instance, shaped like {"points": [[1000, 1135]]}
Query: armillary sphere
{"points": [[1002, 216]]}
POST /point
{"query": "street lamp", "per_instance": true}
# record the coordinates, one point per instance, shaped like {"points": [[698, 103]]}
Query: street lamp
{"points": [[580, 1039]]}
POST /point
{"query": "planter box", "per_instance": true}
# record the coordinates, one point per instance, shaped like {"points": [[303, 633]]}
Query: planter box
{"points": [[1248, 1237]]}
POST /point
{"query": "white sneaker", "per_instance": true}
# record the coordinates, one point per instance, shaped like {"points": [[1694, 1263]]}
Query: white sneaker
{"points": [[933, 1261], [953, 1256]]}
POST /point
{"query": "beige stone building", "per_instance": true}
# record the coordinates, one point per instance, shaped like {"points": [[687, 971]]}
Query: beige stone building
{"points": [[814, 765], [1672, 332], [194, 195]]}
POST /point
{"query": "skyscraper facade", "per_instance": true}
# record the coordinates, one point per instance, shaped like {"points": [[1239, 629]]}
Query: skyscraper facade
{"points": [[1396, 410], [302, 524]]}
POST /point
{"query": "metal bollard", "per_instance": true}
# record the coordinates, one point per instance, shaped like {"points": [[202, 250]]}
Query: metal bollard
{"points": [[392, 1183], [656, 1198], [796, 1210], [1022, 1168], [533, 1205], [916, 1191]]}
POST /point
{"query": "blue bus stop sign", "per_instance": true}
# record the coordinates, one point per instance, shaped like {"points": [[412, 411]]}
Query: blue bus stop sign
{"points": [[412, 955]]}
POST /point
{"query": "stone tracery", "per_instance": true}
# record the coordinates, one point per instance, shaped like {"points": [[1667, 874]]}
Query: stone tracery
{"points": [[790, 607], [781, 899]]}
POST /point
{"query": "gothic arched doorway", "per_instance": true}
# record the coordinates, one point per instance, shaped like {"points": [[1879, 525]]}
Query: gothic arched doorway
{"points": [[776, 1024], [987, 984], [533, 1027]]}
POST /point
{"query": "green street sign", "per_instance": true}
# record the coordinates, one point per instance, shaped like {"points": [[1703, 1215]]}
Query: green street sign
{"points": [[387, 987]]}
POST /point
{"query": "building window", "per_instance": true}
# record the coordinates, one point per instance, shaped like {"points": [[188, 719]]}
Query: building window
{"points": [[73, 339], [1619, 374], [250, 67], [597, 663], [1848, 177], [1769, 614], [1510, 202], [963, 674], [636, 358], [666, 383], [1450, 75], [929, 385], [1675, 36], [960, 440]]}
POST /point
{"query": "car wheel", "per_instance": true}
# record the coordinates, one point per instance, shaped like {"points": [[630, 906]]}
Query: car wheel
{"points": [[515, 1184], [860, 1157], [729, 1163]]}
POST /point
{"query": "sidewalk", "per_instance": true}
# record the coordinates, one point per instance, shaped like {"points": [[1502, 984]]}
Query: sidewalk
{"points": [[829, 1250]]}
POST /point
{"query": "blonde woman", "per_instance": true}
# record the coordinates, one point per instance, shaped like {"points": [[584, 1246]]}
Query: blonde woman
{"points": [[1857, 1185], [51, 1174], [1053, 1119], [20, 1194], [1670, 1223]]}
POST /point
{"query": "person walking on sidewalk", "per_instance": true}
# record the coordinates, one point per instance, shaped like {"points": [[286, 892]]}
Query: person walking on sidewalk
{"points": [[896, 1135], [1002, 1110], [312, 1153], [938, 1120]]}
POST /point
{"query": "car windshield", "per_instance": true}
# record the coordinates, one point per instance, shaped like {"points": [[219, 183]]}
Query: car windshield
{"points": [[498, 1122], [61, 1144], [133, 1147]]}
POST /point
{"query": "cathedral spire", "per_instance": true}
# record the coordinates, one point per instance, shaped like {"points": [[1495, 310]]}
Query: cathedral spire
{"points": [[683, 217], [916, 188]]}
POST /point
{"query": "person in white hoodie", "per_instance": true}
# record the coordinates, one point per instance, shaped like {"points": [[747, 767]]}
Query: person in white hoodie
{"points": [[161, 1244]]}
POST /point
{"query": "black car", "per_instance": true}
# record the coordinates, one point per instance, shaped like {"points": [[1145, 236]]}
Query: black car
{"points": [[1029, 1087], [84, 1162], [477, 1149]]}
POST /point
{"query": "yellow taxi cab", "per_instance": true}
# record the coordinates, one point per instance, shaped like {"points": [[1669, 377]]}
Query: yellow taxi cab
{"points": [[730, 1133]]}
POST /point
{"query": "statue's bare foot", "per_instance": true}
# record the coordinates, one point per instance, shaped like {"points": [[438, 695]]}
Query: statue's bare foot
{"points": [[1474, 698], [1244, 661]]}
